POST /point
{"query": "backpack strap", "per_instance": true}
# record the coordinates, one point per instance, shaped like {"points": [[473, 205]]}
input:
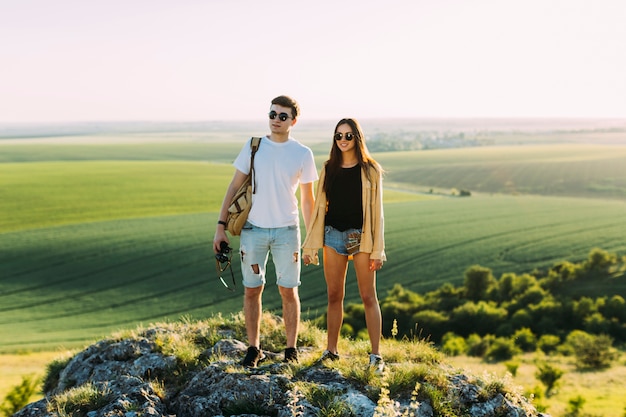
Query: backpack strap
{"points": [[255, 142]]}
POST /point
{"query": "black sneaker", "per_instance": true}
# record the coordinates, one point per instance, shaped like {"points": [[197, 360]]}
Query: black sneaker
{"points": [[291, 355], [328, 356], [253, 357]]}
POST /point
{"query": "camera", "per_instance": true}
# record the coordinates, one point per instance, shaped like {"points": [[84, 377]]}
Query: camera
{"points": [[221, 256]]}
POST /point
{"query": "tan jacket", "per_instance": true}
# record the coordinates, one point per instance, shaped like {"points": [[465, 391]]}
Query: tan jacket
{"points": [[372, 237]]}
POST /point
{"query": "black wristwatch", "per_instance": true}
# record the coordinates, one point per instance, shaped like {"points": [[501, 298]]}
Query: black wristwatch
{"points": [[222, 222]]}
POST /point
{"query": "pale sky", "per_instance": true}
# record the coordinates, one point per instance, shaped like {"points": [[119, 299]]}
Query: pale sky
{"points": [[184, 60]]}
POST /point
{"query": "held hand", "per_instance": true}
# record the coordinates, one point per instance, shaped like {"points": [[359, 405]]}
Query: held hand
{"points": [[220, 236], [376, 264], [306, 259]]}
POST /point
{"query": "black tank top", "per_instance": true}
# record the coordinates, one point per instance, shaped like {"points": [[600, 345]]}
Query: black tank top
{"points": [[345, 200]]}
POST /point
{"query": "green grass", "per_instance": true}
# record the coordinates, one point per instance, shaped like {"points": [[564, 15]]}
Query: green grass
{"points": [[36, 195], [44, 194], [81, 151]]}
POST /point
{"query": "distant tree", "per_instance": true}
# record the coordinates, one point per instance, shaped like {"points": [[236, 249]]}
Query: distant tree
{"points": [[548, 343], [477, 346], [583, 308], [505, 286], [521, 284], [501, 349], [615, 308], [566, 270], [347, 330], [445, 298], [432, 324], [477, 281], [521, 318], [403, 295], [547, 316], [532, 295], [596, 324], [354, 316], [600, 259], [481, 318], [453, 345], [525, 339]]}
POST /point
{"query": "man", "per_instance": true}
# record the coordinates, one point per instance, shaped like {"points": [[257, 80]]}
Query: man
{"points": [[280, 165]]}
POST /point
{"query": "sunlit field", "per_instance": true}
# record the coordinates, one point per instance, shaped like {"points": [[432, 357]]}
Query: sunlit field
{"points": [[576, 170], [89, 246]]}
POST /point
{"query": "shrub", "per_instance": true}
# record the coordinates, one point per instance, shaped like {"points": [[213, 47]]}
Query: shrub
{"points": [[512, 367], [599, 259], [574, 406], [431, 323], [549, 376], [548, 343], [596, 323], [592, 352], [477, 281], [615, 308], [481, 318], [53, 372], [501, 349], [521, 318], [19, 395], [525, 340], [453, 345], [477, 346]]}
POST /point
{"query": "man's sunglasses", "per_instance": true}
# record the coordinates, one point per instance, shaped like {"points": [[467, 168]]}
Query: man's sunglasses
{"points": [[281, 116], [349, 136]]}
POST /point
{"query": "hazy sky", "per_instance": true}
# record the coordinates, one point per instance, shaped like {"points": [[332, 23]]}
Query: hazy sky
{"points": [[89, 60]]}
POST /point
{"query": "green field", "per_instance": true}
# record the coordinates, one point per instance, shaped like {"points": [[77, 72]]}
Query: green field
{"points": [[100, 232], [579, 170], [107, 234]]}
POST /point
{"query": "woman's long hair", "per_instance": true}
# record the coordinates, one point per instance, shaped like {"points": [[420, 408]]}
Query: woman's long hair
{"points": [[365, 160]]}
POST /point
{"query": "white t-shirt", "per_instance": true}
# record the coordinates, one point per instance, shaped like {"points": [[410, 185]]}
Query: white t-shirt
{"points": [[279, 169]]}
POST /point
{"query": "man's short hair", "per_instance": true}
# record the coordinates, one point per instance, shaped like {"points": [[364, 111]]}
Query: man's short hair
{"points": [[287, 101]]}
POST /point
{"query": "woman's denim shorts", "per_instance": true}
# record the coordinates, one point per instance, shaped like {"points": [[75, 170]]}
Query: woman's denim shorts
{"points": [[338, 240]]}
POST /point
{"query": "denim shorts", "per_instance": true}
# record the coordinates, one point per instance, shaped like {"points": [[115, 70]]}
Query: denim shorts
{"points": [[338, 240], [256, 243]]}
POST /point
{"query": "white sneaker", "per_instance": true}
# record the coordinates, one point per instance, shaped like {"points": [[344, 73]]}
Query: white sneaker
{"points": [[377, 363]]}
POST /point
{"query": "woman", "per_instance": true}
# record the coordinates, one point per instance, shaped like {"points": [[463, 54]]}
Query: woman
{"points": [[348, 223]]}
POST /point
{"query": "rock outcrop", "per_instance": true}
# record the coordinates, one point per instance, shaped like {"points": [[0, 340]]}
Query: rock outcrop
{"points": [[133, 377]]}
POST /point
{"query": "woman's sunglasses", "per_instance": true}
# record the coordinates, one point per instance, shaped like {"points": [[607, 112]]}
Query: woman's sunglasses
{"points": [[349, 136], [281, 116]]}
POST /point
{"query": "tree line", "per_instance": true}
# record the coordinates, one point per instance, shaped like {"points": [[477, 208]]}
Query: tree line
{"points": [[538, 310]]}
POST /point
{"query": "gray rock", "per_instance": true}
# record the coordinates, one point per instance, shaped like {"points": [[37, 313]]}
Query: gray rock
{"points": [[133, 378]]}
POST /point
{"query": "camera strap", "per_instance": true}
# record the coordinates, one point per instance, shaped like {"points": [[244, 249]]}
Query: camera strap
{"points": [[220, 269]]}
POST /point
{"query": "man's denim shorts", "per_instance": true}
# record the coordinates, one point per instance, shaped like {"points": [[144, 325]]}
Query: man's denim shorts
{"points": [[256, 243]]}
